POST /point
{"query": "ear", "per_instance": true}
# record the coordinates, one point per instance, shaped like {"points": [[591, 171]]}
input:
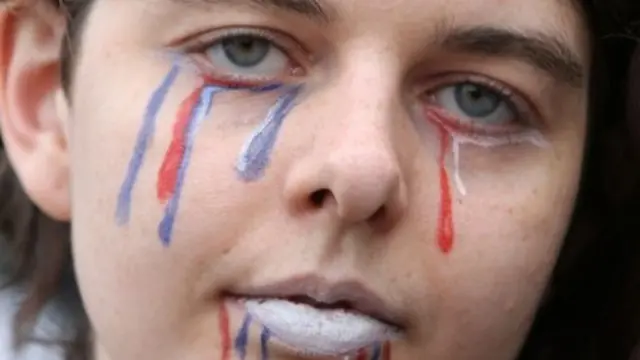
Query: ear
{"points": [[33, 114]]}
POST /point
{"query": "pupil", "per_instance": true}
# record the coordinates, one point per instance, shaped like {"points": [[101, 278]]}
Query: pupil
{"points": [[476, 101], [245, 51]]}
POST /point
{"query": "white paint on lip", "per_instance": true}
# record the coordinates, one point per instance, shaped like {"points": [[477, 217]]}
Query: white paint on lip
{"points": [[319, 332]]}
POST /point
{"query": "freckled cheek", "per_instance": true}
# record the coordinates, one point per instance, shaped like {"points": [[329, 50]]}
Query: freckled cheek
{"points": [[503, 258], [508, 240], [509, 227], [518, 209]]}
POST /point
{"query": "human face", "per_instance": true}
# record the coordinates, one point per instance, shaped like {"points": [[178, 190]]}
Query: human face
{"points": [[419, 169]]}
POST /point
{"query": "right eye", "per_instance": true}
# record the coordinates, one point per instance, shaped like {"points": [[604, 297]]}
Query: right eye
{"points": [[247, 57]]}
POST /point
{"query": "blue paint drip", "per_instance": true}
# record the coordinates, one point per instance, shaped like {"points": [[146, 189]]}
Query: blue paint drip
{"points": [[123, 207], [264, 343], [261, 88], [268, 87], [377, 352], [202, 110], [242, 338], [255, 154]]}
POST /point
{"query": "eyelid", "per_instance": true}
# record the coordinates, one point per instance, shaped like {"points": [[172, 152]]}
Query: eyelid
{"points": [[283, 42], [523, 109]]}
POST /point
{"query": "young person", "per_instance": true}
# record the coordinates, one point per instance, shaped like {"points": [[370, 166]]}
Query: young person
{"points": [[290, 179]]}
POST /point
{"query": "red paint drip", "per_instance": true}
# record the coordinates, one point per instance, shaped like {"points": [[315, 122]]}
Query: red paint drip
{"points": [[386, 351], [362, 354], [168, 173], [445, 221], [212, 81], [225, 332]]}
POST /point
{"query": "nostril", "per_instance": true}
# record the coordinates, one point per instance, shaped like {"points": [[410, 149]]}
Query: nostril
{"points": [[318, 197], [379, 215]]}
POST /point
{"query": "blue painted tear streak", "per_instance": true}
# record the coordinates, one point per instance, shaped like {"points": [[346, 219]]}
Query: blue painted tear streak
{"points": [[264, 343], [377, 352], [240, 343], [123, 206], [256, 152]]}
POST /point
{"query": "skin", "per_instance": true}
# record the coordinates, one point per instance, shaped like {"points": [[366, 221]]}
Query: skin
{"points": [[357, 133]]}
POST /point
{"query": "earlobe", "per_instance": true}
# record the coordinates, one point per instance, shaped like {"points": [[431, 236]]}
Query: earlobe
{"points": [[32, 117]]}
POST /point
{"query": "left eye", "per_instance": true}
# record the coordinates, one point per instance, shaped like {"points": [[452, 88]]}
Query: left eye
{"points": [[475, 103], [247, 55]]}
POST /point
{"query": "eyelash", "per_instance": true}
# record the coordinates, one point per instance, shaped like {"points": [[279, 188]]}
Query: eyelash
{"points": [[524, 113], [279, 41]]}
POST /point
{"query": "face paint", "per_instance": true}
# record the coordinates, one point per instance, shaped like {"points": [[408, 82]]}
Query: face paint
{"points": [[380, 351], [377, 351], [264, 343], [386, 351], [165, 229], [445, 219], [225, 334], [238, 85], [168, 174], [256, 152], [123, 206], [455, 149], [442, 120], [242, 338], [192, 112], [362, 354]]}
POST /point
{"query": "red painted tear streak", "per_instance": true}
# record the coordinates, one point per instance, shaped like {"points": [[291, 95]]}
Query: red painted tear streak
{"points": [[227, 83], [445, 220], [225, 333], [362, 354], [168, 173], [386, 351]]}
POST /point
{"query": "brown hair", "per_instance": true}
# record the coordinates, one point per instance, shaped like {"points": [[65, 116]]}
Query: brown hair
{"points": [[593, 308], [594, 298]]}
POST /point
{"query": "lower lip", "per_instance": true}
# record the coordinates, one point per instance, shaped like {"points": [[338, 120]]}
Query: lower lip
{"points": [[317, 332]]}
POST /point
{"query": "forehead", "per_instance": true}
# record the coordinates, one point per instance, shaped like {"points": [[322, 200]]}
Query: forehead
{"points": [[511, 10], [406, 20]]}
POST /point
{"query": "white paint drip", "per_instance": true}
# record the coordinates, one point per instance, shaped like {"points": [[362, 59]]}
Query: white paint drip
{"points": [[456, 166], [533, 137]]}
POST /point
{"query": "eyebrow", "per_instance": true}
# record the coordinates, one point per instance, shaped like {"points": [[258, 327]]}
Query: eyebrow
{"points": [[311, 9], [540, 50]]}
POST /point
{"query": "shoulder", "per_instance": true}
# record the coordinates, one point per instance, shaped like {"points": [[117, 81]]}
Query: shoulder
{"points": [[9, 300]]}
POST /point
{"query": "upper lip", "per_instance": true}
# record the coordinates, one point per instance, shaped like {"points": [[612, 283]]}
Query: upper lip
{"points": [[352, 293]]}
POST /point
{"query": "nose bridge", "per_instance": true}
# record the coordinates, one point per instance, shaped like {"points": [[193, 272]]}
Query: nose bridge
{"points": [[362, 101], [354, 166]]}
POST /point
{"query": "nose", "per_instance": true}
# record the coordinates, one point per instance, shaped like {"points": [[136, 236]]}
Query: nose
{"points": [[352, 169]]}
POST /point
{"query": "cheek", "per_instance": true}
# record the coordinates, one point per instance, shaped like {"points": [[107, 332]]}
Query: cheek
{"points": [[128, 258], [509, 230]]}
